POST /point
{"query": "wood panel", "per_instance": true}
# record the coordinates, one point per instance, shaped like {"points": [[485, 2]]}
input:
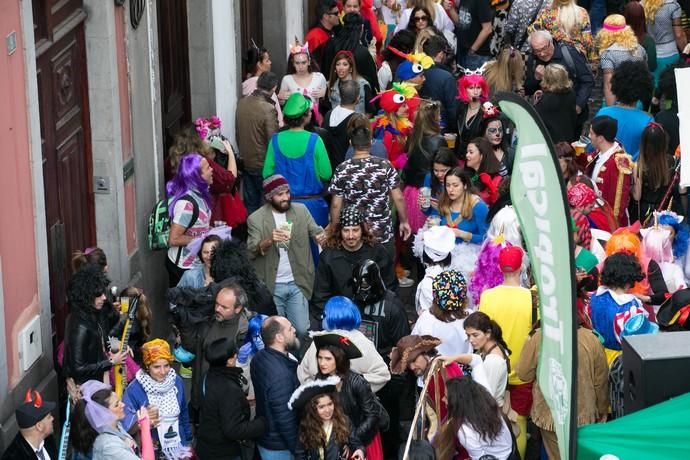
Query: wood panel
{"points": [[173, 49], [65, 142], [251, 27]]}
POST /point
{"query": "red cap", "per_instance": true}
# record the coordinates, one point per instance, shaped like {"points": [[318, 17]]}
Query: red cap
{"points": [[510, 259]]}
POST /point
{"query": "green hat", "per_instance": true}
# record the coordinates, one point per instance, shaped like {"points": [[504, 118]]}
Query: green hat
{"points": [[296, 105]]}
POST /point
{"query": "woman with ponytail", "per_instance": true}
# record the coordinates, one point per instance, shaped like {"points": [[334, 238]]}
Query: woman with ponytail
{"points": [[490, 362]]}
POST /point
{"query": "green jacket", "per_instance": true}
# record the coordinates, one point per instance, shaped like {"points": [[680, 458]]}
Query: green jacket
{"points": [[261, 225]]}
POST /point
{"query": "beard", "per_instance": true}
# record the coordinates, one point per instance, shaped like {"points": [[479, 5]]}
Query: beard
{"points": [[281, 206], [294, 345]]}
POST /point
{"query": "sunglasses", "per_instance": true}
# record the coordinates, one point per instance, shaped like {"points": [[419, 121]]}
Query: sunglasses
{"points": [[494, 130], [421, 18]]}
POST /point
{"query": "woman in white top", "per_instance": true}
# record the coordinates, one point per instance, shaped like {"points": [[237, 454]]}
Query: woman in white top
{"points": [[491, 357], [439, 16], [478, 423], [301, 78], [446, 316]]}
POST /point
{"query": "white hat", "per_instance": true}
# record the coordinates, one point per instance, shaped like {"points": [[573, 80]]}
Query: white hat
{"points": [[439, 241]]}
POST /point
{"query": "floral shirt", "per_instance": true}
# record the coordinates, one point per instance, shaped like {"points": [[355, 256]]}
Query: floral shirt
{"points": [[581, 40]]}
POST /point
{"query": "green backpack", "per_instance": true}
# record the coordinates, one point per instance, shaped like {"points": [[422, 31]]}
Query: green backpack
{"points": [[159, 223]]}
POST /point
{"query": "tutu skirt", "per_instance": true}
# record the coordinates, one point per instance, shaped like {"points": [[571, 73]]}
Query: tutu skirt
{"points": [[415, 216]]}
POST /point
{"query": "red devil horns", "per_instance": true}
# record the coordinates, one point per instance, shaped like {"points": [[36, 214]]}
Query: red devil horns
{"points": [[37, 399]]}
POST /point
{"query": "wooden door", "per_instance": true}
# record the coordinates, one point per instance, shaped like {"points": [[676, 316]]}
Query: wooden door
{"points": [[251, 28], [173, 49], [65, 142]]}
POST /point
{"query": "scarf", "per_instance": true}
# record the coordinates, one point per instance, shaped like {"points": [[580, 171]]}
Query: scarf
{"points": [[163, 394]]}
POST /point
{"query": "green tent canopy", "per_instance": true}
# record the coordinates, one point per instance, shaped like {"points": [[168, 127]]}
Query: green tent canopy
{"points": [[661, 431]]}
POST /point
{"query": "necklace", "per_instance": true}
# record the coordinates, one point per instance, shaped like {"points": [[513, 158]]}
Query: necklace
{"points": [[453, 223]]}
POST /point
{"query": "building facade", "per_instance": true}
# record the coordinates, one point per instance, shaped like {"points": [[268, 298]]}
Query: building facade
{"points": [[92, 92]]}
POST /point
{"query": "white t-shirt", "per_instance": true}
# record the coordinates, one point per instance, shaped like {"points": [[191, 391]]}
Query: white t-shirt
{"points": [[476, 447], [284, 273], [452, 335]]}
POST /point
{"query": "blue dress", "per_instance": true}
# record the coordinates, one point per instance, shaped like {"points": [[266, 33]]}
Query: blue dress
{"points": [[606, 310]]}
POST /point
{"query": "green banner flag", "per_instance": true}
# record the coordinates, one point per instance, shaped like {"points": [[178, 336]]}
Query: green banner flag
{"points": [[538, 195]]}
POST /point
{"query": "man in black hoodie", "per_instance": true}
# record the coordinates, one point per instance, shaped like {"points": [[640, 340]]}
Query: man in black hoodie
{"points": [[336, 121]]}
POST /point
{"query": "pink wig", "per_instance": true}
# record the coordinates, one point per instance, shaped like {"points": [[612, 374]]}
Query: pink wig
{"points": [[487, 273], [472, 80], [657, 244]]}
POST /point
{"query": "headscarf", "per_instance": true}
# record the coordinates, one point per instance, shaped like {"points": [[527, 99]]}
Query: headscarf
{"points": [[579, 195], [99, 416], [154, 350], [450, 290], [350, 216]]}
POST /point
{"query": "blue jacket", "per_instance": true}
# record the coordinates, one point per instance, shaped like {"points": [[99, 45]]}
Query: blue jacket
{"points": [[274, 376], [440, 85], [135, 397]]}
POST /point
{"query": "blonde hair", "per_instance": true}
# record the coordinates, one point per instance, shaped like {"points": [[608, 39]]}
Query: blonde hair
{"points": [[506, 72], [650, 8], [624, 37], [422, 37], [569, 17], [555, 79]]}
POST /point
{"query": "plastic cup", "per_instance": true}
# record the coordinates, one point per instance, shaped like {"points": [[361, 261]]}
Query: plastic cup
{"points": [[124, 304], [450, 139], [579, 147]]}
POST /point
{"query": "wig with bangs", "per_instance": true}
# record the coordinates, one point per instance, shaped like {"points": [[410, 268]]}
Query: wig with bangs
{"points": [[341, 313], [682, 237], [656, 244], [188, 179], [472, 80]]}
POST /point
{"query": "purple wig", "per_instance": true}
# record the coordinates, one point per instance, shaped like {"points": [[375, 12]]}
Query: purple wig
{"points": [[188, 178], [487, 273]]}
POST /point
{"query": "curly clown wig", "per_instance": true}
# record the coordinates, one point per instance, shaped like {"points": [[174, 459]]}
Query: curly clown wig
{"points": [[615, 31]]}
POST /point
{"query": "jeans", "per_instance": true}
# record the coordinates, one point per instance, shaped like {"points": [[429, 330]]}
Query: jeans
{"points": [[252, 190], [291, 303], [597, 13], [267, 454]]}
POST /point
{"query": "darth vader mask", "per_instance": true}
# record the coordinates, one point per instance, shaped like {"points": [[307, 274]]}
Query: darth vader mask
{"points": [[368, 284]]}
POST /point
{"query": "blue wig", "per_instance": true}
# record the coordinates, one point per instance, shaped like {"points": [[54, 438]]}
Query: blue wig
{"points": [[682, 238], [341, 313], [252, 341], [188, 178]]}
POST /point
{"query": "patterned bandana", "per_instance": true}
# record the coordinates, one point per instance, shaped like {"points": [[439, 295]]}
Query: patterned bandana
{"points": [[579, 196], [154, 350], [351, 217], [450, 290]]}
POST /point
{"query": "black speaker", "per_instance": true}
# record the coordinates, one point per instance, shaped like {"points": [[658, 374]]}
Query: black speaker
{"points": [[656, 367]]}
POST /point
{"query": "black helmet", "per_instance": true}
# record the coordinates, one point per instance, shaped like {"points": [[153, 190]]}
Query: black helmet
{"points": [[368, 284]]}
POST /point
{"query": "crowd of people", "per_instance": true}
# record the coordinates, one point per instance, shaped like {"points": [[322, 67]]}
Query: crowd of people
{"points": [[352, 270]]}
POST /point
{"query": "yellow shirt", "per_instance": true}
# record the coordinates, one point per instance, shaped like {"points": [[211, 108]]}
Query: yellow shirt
{"points": [[511, 308]]}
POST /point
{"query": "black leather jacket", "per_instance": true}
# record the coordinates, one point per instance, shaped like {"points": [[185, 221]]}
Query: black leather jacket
{"points": [[361, 407], [85, 335]]}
